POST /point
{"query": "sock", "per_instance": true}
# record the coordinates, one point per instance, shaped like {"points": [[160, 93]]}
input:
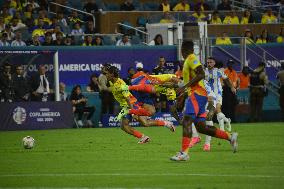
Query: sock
{"points": [[140, 112], [185, 144], [220, 118], [224, 117], [222, 134], [208, 138], [194, 131], [137, 134], [160, 123], [142, 88]]}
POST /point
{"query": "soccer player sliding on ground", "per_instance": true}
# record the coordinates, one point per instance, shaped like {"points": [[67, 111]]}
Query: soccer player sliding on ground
{"points": [[127, 101], [194, 107]]}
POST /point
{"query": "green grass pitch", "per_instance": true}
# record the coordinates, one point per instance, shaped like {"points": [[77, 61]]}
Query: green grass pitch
{"points": [[109, 158]]}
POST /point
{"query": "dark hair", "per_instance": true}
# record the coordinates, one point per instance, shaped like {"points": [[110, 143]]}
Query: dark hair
{"points": [[212, 58], [73, 92], [156, 37], [188, 45], [113, 70], [262, 64], [130, 68], [93, 75]]}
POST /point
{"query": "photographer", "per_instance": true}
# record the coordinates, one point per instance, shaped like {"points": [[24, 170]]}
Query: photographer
{"points": [[6, 83], [79, 102], [258, 82]]}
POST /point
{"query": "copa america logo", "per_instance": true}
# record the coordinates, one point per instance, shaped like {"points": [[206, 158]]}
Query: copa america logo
{"points": [[19, 115]]}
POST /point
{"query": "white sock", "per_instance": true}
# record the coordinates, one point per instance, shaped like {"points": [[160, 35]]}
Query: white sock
{"points": [[220, 118], [208, 138], [194, 131], [223, 117]]}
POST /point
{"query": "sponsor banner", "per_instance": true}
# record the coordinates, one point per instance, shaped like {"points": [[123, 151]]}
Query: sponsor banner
{"points": [[82, 63], [254, 56], [35, 115], [109, 120]]}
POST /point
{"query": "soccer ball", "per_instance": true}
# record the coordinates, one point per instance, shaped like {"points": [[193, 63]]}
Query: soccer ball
{"points": [[28, 142]]}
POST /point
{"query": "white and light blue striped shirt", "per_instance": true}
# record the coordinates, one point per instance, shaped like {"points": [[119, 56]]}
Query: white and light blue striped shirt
{"points": [[212, 77]]}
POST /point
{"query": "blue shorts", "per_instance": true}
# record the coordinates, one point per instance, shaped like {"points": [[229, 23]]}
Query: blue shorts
{"points": [[195, 107]]}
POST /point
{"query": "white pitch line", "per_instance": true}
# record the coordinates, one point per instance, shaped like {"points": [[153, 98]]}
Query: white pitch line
{"points": [[137, 174]]}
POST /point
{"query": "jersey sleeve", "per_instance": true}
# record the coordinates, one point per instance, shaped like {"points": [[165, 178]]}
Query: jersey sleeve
{"points": [[222, 74]]}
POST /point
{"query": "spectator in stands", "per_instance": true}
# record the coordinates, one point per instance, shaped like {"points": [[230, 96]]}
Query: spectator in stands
{"points": [[6, 15], [224, 5], [182, 6], [43, 4], [62, 93], [34, 4], [68, 40], [18, 40], [2, 24], [42, 14], [268, 17], [127, 6], [105, 93], [229, 98], [35, 41], [74, 18], [232, 18], [21, 86], [280, 38], [202, 5], [223, 40], [263, 38], [249, 37], [4, 40], [18, 15], [124, 41], [55, 31], [59, 39], [161, 99], [9, 32], [61, 19], [16, 25], [54, 23], [167, 18], [131, 72], [258, 82], [28, 11], [98, 41], [77, 30], [47, 39], [280, 76], [6, 83], [88, 41], [198, 15], [90, 29], [79, 102], [244, 78], [165, 6], [91, 7], [93, 86], [40, 28], [215, 18], [158, 40], [247, 18], [40, 85]]}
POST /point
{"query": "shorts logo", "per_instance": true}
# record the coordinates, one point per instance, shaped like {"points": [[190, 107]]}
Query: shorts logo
{"points": [[19, 115]]}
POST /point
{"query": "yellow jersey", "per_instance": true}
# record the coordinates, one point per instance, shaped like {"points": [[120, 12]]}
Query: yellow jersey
{"points": [[260, 41], [188, 72], [230, 20], [280, 39], [223, 41], [166, 8], [266, 19], [216, 21], [163, 77], [180, 7], [120, 95], [169, 92], [200, 17], [244, 20]]}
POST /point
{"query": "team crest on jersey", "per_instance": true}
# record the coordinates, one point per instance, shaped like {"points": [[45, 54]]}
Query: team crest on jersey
{"points": [[195, 62]]}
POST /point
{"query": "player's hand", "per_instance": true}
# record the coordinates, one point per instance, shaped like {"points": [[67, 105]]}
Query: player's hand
{"points": [[233, 89]]}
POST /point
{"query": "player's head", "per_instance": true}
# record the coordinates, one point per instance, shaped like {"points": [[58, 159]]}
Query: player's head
{"points": [[112, 73], [41, 69], [211, 62], [105, 67], [187, 48]]}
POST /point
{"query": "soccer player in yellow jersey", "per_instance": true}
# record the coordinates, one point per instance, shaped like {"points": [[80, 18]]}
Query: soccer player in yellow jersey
{"points": [[194, 108], [129, 103]]}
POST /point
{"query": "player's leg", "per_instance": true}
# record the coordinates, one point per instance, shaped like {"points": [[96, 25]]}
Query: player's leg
{"points": [[220, 116], [195, 137], [159, 123], [128, 129], [210, 108]]}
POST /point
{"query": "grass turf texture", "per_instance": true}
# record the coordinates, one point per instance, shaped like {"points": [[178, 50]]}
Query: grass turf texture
{"points": [[109, 158]]}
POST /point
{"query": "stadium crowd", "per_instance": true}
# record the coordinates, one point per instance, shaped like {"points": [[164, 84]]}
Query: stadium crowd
{"points": [[28, 22]]}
